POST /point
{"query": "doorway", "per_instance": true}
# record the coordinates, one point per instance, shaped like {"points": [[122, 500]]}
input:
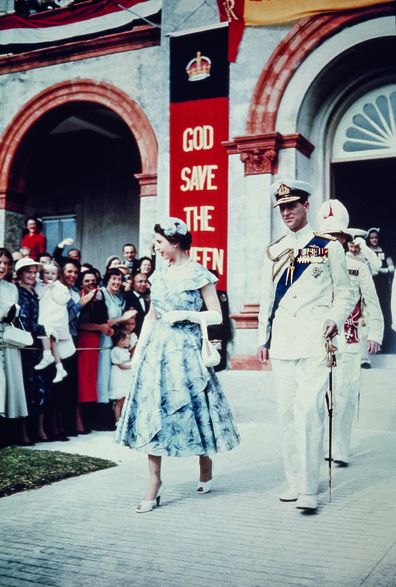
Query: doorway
{"points": [[367, 188]]}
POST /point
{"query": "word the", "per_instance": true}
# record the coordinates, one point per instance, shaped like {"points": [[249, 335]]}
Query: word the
{"points": [[197, 218]]}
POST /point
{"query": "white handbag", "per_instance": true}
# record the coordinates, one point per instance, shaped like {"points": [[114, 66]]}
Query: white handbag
{"points": [[209, 353], [17, 337]]}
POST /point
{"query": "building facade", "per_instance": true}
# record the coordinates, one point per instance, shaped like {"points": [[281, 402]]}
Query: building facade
{"points": [[85, 134]]}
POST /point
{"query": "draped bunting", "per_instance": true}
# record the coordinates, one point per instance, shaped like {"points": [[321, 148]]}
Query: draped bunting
{"points": [[74, 21], [241, 13]]}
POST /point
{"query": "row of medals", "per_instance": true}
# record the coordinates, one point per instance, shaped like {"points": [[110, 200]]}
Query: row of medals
{"points": [[304, 256]]}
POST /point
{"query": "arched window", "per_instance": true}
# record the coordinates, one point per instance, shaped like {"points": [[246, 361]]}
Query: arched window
{"points": [[368, 128]]}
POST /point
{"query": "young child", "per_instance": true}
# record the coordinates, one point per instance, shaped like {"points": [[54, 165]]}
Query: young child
{"points": [[120, 377], [53, 315]]}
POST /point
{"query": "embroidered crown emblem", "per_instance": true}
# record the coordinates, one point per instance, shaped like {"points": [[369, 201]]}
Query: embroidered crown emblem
{"points": [[283, 190], [198, 68]]}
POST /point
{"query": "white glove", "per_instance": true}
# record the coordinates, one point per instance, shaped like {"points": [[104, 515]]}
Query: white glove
{"points": [[66, 243], [210, 316], [144, 339]]}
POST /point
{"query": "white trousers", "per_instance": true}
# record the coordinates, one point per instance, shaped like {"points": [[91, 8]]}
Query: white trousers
{"points": [[363, 344], [301, 388], [346, 393]]}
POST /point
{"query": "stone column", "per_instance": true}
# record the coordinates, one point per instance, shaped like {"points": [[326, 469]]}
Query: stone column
{"points": [[148, 210]]}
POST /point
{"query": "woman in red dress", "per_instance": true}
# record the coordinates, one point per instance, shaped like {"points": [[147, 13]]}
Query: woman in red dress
{"points": [[33, 238], [92, 322]]}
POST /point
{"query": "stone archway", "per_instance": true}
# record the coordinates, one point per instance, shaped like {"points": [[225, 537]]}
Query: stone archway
{"points": [[288, 56], [81, 90], [273, 127]]}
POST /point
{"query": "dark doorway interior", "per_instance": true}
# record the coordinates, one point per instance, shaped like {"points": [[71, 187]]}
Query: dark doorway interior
{"points": [[367, 188], [80, 161]]}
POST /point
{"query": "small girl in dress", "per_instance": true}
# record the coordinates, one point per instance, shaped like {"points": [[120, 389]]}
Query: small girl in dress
{"points": [[120, 377], [53, 315]]}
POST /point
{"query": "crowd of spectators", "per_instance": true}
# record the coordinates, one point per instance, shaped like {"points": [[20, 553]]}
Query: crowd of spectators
{"points": [[73, 378], [27, 7]]}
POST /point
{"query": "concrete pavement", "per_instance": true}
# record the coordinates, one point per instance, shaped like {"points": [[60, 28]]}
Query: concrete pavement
{"points": [[84, 531]]}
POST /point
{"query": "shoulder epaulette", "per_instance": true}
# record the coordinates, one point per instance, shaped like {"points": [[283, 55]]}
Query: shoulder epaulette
{"points": [[276, 241], [328, 236]]}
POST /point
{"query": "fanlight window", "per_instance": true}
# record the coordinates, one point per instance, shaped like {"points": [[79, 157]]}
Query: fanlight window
{"points": [[368, 128]]}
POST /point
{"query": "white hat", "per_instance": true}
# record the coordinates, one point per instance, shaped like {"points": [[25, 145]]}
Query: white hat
{"points": [[289, 190], [354, 232], [172, 226], [27, 262], [333, 217]]}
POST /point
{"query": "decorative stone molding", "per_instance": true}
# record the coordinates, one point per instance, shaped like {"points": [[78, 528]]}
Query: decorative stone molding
{"points": [[259, 161], [259, 153], [300, 42], [139, 37], [248, 317], [148, 184], [299, 142]]}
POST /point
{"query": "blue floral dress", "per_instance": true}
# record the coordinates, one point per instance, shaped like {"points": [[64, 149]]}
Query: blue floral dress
{"points": [[176, 406]]}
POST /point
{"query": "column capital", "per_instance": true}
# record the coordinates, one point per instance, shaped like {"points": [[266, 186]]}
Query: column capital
{"points": [[259, 153]]}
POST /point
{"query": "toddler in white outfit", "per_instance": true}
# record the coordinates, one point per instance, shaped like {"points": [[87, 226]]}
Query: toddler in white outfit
{"points": [[53, 315], [120, 377]]}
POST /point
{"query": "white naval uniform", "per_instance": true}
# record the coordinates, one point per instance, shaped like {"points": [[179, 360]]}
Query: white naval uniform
{"points": [[347, 372], [297, 351]]}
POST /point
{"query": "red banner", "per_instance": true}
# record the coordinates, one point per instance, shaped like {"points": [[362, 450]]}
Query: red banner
{"points": [[199, 162]]}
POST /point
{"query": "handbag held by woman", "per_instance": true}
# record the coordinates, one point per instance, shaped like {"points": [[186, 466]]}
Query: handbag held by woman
{"points": [[17, 337], [210, 355]]}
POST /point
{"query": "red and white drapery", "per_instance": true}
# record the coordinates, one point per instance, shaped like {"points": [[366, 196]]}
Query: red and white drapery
{"points": [[74, 21]]}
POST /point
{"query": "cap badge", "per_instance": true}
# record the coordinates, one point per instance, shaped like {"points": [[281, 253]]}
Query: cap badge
{"points": [[283, 190]]}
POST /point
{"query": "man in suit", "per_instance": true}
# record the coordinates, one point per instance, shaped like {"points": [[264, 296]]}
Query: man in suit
{"points": [[129, 253], [136, 299]]}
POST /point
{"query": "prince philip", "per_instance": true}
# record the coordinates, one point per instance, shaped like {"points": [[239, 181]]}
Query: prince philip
{"points": [[305, 299]]}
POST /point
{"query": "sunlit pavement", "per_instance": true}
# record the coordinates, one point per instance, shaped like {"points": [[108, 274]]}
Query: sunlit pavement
{"points": [[84, 531]]}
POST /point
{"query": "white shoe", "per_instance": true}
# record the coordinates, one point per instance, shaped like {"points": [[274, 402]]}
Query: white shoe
{"points": [[60, 374], [307, 502], [204, 486], [290, 494], [45, 362], [149, 504]]}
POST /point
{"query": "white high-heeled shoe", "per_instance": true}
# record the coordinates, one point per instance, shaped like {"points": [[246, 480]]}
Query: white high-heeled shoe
{"points": [[204, 486], [147, 505]]}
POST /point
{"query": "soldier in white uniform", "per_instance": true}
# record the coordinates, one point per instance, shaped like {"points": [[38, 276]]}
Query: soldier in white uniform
{"points": [[305, 298], [347, 372]]}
